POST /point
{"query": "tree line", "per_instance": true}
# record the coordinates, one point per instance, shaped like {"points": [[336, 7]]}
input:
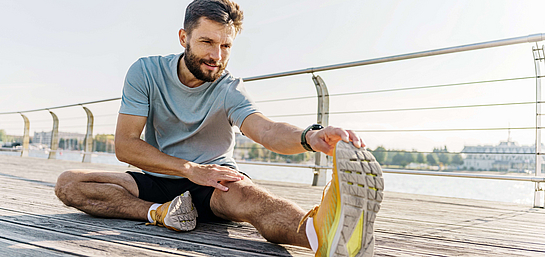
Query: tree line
{"points": [[4, 137], [439, 157]]}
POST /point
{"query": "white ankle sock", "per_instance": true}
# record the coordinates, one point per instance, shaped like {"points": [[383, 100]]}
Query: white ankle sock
{"points": [[152, 208], [311, 235]]}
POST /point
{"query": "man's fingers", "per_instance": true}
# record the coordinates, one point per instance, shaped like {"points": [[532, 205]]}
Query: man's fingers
{"points": [[327, 138], [324, 147], [221, 187], [343, 134], [356, 140], [234, 176], [226, 178], [231, 172], [335, 132], [224, 173], [212, 175], [229, 178]]}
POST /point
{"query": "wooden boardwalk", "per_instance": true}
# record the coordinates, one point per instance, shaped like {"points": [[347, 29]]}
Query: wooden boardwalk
{"points": [[33, 222]]}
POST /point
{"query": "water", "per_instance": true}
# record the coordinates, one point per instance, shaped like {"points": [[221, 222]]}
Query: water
{"points": [[482, 189]]}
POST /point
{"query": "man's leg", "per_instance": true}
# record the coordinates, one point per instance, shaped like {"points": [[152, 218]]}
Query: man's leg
{"points": [[102, 194], [343, 223], [275, 218]]}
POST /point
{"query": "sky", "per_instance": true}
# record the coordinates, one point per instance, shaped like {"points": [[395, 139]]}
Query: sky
{"points": [[57, 53]]}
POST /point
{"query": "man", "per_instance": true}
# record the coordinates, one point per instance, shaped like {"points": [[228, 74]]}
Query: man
{"points": [[189, 104]]}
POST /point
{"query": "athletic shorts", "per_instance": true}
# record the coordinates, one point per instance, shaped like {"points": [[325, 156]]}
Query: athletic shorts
{"points": [[161, 190]]}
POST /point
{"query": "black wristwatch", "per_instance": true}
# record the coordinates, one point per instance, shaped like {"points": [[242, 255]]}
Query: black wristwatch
{"points": [[304, 136]]}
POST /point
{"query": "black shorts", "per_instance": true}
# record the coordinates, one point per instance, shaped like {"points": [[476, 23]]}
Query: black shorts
{"points": [[161, 190]]}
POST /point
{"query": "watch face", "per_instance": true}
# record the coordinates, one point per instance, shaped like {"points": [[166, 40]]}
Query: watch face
{"points": [[317, 126]]}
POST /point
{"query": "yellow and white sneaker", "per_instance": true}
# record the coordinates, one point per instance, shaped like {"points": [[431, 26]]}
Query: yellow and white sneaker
{"points": [[179, 214], [344, 219]]}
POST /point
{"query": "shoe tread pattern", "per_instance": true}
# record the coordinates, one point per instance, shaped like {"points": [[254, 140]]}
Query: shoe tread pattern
{"points": [[361, 187], [182, 214]]}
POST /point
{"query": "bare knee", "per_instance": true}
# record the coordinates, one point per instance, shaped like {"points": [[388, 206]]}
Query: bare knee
{"points": [[67, 185], [65, 182], [241, 203], [70, 183]]}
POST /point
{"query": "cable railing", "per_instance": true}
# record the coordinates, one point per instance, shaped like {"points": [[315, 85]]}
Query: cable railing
{"points": [[443, 129], [323, 114], [399, 89], [409, 109]]}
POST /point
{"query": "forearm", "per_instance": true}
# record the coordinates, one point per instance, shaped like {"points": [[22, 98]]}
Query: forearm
{"points": [[138, 153], [283, 138]]}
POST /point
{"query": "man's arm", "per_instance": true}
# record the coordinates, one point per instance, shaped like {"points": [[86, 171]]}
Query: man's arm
{"points": [[131, 149], [284, 138]]}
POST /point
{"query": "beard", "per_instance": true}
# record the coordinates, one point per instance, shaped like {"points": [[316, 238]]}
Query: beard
{"points": [[193, 64]]}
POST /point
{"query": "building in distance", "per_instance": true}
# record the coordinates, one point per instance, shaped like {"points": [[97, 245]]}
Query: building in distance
{"points": [[507, 156]]}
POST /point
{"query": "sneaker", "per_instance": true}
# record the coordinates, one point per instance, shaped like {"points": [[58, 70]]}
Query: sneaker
{"points": [[179, 214], [345, 217]]}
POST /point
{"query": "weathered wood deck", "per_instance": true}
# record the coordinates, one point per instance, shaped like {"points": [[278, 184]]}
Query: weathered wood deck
{"points": [[33, 222]]}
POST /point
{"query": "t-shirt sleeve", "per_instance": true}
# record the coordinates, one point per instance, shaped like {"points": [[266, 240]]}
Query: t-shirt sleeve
{"points": [[136, 90], [239, 104]]}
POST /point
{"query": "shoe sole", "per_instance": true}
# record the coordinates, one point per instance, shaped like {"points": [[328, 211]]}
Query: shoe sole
{"points": [[182, 215], [361, 188]]}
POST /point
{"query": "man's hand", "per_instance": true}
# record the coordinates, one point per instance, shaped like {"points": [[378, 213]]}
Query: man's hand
{"points": [[212, 175], [324, 140]]}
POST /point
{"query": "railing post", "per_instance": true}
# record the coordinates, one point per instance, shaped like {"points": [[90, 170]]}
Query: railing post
{"points": [[26, 136], [539, 56], [320, 175], [88, 143], [54, 137]]}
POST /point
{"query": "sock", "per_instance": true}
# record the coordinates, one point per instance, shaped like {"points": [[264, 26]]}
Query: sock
{"points": [[311, 235], [152, 208]]}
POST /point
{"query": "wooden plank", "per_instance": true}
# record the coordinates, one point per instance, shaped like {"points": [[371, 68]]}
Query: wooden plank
{"points": [[526, 240], [447, 246], [64, 242], [9, 247]]}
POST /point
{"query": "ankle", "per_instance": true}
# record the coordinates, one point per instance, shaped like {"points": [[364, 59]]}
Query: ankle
{"points": [[153, 207]]}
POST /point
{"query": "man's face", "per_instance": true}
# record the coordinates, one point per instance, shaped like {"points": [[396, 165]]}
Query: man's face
{"points": [[207, 49]]}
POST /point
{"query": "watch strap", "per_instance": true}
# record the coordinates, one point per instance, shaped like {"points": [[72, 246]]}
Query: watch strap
{"points": [[304, 142]]}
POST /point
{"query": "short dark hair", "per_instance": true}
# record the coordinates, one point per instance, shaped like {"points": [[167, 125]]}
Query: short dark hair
{"points": [[223, 11]]}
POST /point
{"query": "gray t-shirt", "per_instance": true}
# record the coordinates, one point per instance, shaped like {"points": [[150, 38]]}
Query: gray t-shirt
{"points": [[194, 124]]}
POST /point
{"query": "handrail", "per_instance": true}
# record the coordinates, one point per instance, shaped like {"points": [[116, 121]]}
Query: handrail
{"points": [[65, 106], [454, 49]]}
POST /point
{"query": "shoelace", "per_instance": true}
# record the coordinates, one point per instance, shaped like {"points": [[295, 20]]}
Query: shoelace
{"points": [[155, 219], [314, 209]]}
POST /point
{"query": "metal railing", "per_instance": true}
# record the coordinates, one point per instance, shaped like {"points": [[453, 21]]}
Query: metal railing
{"points": [[320, 167]]}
